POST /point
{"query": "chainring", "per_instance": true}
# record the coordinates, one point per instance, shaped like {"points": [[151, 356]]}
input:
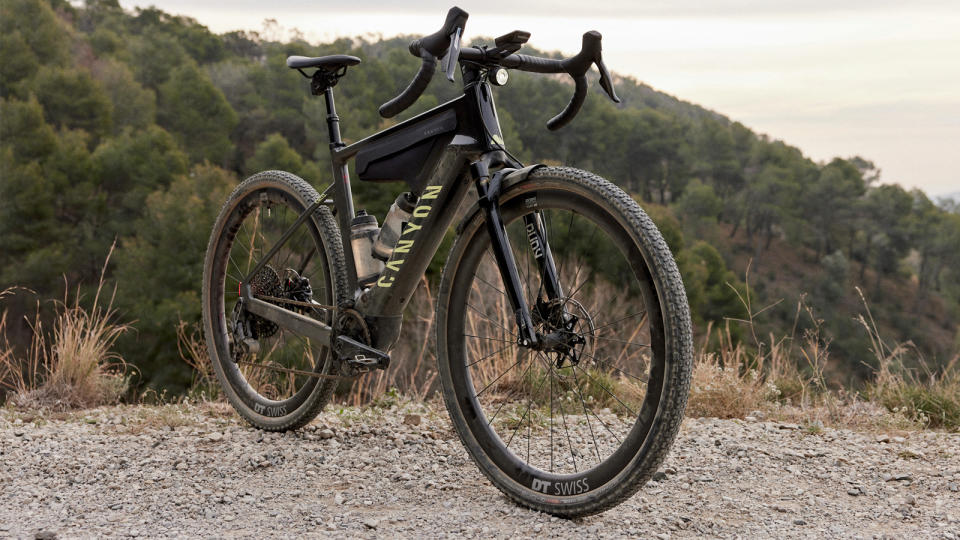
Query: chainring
{"points": [[350, 323]]}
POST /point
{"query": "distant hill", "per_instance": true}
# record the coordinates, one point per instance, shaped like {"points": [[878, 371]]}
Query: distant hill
{"points": [[955, 195], [133, 126]]}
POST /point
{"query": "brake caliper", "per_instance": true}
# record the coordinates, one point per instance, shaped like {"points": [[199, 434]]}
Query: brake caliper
{"points": [[243, 341]]}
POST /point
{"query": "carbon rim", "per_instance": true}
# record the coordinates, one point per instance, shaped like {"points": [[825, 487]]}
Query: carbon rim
{"points": [[254, 224], [559, 431]]}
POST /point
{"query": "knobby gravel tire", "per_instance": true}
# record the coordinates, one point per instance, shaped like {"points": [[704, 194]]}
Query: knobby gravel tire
{"points": [[675, 357], [326, 235]]}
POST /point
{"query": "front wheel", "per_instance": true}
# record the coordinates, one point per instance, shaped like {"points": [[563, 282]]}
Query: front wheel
{"points": [[572, 429]]}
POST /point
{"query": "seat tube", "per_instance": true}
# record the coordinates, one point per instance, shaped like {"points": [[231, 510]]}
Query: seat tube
{"points": [[342, 194]]}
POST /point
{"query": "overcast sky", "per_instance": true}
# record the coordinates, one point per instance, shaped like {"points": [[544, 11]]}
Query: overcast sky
{"points": [[880, 79]]}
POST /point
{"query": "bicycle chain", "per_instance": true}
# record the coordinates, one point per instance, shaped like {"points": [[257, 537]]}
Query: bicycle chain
{"points": [[277, 299], [296, 371]]}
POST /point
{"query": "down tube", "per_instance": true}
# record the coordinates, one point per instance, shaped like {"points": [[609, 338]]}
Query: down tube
{"points": [[421, 238]]}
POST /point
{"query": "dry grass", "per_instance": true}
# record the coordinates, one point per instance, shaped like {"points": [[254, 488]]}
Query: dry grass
{"points": [[784, 378], [926, 396], [72, 366], [731, 382], [413, 368], [784, 384], [781, 377], [193, 351]]}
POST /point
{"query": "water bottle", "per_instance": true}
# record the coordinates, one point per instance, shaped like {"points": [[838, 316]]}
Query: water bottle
{"points": [[363, 234], [400, 213]]}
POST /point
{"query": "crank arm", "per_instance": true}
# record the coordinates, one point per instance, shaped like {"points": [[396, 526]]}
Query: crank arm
{"points": [[359, 356]]}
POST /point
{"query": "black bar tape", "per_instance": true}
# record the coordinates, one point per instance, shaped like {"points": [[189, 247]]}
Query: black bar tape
{"points": [[412, 92]]}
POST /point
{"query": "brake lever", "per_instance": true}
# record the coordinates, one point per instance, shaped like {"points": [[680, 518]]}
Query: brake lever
{"points": [[449, 60], [606, 82]]}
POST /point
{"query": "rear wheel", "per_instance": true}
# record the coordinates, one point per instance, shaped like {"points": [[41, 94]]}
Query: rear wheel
{"points": [[575, 429], [265, 370]]}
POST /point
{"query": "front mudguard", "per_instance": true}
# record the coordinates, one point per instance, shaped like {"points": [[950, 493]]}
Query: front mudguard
{"points": [[501, 181]]}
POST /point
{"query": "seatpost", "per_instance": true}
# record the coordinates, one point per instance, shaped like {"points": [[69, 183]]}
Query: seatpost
{"points": [[324, 81], [333, 121]]}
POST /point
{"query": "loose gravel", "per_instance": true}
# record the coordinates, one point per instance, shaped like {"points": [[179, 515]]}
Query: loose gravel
{"points": [[400, 471]]}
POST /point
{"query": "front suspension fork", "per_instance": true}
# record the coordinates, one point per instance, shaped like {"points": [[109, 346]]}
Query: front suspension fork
{"points": [[488, 189]]}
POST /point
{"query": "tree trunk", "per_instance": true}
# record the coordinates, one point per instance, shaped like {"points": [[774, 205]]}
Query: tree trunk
{"points": [[866, 258], [736, 226], [664, 167]]}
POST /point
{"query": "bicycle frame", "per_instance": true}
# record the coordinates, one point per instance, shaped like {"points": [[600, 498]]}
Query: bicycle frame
{"points": [[475, 148]]}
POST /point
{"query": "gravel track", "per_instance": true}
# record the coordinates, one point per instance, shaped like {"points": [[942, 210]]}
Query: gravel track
{"points": [[198, 471]]}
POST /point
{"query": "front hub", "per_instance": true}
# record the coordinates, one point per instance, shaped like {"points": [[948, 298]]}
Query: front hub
{"points": [[563, 328]]}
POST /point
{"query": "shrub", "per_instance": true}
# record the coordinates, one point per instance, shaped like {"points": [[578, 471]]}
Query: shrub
{"points": [[929, 397], [71, 367]]}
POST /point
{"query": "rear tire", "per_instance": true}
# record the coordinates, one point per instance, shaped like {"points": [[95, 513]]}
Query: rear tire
{"points": [[250, 222], [491, 408]]}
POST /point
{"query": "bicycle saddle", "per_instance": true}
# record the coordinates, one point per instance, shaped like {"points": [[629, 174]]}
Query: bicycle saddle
{"points": [[328, 63]]}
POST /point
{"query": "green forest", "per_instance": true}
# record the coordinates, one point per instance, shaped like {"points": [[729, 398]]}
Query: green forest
{"points": [[132, 127]]}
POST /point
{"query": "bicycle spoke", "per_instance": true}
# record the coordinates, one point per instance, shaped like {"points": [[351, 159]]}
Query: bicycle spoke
{"points": [[515, 364], [504, 328], [498, 351], [489, 339], [529, 403], [578, 287], [522, 376], [644, 379], [625, 342], [306, 260], [607, 390], [253, 237], [236, 267], [550, 371], [563, 417], [569, 228], [491, 285], [621, 320], [589, 243], [596, 447]]}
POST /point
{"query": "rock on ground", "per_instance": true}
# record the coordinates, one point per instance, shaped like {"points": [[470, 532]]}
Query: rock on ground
{"points": [[368, 473]]}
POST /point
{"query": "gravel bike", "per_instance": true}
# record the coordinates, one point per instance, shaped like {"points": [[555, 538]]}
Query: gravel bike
{"points": [[563, 331]]}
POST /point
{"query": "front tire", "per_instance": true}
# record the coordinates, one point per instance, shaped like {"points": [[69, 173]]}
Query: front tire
{"points": [[614, 411]]}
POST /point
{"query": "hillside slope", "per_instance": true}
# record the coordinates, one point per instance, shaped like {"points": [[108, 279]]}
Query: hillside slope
{"points": [[133, 126]]}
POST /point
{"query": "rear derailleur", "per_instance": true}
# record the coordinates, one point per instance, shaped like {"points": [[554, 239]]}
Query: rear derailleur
{"points": [[292, 292]]}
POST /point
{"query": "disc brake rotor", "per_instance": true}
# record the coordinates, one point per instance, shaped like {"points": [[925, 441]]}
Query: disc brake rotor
{"points": [[571, 320]]}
